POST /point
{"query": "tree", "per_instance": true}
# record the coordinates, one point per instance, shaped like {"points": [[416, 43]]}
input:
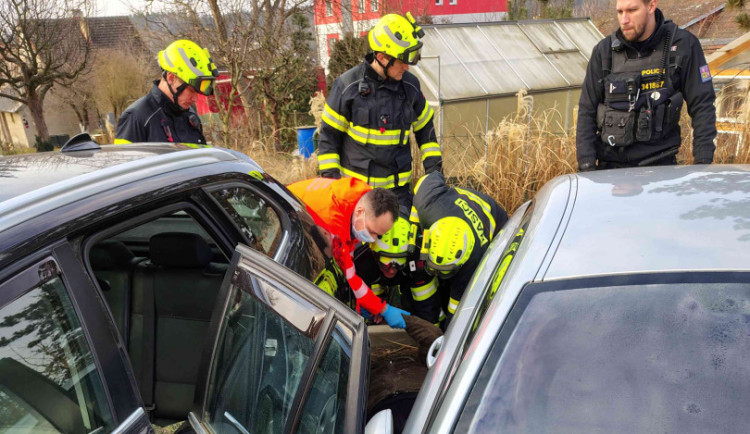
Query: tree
{"points": [[346, 53], [41, 45], [539, 9], [120, 77]]}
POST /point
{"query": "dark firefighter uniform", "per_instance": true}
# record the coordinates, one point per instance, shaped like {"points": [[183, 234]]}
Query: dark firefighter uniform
{"points": [[366, 126], [156, 118], [434, 200], [630, 104]]}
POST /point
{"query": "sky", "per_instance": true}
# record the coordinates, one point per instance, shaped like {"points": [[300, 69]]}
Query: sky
{"points": [[108, 8]]}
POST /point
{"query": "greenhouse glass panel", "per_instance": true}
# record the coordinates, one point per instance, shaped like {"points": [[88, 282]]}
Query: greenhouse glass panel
{"points": [[452, 78], [484, 62], [531, 64], [548, 37], [571, 65], [583, 35]]}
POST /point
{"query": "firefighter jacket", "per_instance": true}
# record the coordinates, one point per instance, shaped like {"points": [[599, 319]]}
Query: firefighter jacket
{"points": [[630, 103], [156, 118], [434, 200], [366, 126], [331, 203]]}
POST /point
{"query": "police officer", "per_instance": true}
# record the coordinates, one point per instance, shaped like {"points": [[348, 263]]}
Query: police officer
{"points": [[371, 110], [165, 114], [635, 85], [459, 225]]}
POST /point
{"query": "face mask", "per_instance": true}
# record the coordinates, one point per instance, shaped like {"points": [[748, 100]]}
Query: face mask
{"points": [[363, 235]]}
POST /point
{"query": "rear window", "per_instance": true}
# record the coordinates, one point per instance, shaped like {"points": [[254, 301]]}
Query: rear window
{"points": [[637, 358]]}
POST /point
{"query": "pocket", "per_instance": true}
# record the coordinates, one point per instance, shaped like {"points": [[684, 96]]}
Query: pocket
{"points": [[644, 126], [618, 128], [361, 116], [619, 87]]}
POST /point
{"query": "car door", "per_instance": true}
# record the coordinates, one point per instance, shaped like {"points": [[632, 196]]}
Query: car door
{"points": [[285, 356]]}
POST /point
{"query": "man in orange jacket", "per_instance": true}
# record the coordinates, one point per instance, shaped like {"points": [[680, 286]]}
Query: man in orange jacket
{"points": [[353, 212]]}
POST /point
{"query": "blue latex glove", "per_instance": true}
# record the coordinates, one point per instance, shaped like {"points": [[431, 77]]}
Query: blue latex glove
{"points": [[394, 317]]}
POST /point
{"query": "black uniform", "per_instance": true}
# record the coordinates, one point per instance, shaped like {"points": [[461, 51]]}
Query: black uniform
{"points": [[433, 200], [156, 118], [630, 106], [366, 126]]}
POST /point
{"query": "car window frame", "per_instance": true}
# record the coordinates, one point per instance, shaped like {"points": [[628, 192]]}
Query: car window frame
{"points": [[58, 260], [337, 315], [530, 289]]}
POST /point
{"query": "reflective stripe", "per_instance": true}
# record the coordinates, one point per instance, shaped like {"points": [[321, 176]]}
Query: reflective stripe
{"points": [[195, 145], [414, 216], [329, 161], [419, 183], [375, 137], [362, 291], [423, 118], [334, 119], [168, 60], [377, 289], [484, 205], [427, 155], [452, 306], [430, 149], [186, 60], [349, 273], [388, 182], [122, 142], [394, 39], [422, 293]]}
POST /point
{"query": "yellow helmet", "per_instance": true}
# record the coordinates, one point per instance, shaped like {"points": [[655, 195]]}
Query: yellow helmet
{"points": [[191, 64], [448, 246], [393, 246], [397, 37]]}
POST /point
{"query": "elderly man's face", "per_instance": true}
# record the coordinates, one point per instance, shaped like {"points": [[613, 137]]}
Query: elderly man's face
{"points": [[633, 16]]}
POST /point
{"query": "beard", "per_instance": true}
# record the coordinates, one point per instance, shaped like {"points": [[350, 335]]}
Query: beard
{"points": [[637, 35]]}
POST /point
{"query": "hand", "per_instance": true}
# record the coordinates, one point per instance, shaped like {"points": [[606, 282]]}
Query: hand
{"points": [[586, 167], [331, 173], [394, 316]]}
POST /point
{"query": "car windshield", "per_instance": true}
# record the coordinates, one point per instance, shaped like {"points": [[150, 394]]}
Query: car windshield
{"points": [[636, 358]]}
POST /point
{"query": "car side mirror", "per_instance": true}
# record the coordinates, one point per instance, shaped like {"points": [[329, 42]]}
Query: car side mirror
{"points": [[432, 353], [381, 423]]}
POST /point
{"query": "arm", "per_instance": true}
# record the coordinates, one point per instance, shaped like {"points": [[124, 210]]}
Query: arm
{"points": [[364, 295], [333, 129], [128, 130], [592, 94], [424, 133], [698, 91]]}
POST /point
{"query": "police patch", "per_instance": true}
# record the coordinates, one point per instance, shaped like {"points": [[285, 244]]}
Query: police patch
{"points": [[705, 73]]}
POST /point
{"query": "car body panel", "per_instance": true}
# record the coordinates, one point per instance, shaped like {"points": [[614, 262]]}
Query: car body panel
{"points": [[692, 210]]}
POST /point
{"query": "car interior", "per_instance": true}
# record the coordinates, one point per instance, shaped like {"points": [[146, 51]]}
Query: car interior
{"points": [[160, 280]]}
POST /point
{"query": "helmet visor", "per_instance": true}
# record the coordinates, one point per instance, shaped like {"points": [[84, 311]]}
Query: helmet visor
{"points": [[441, 271], [204, 85], [412, 54]]}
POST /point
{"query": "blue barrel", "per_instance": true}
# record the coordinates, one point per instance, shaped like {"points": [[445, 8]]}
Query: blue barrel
{"points": [[305, 140]]}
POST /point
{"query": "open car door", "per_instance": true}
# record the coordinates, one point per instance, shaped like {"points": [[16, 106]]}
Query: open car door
{"points": [[285, 356]]}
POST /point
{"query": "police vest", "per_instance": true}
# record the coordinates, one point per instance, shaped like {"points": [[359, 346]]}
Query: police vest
{"points": [[640, 102]]}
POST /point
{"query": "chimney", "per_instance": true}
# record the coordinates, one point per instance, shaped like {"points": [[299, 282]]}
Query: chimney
{"points": [[77, 15]]}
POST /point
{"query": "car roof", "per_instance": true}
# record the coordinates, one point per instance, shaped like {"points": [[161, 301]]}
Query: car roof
{"points": [[660, 219], [37, 183]]}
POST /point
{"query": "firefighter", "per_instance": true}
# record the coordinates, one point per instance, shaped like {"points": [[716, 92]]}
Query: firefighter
{"points": [[353, 213], [459, 225], [373, 108], [633, 92], [165, 114]]}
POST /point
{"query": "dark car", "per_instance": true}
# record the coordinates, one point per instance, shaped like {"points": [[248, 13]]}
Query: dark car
{"points": [[153, 283], [614, 302]]}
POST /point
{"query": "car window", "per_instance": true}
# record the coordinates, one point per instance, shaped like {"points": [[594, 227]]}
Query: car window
{"points": [[637, 358], [258, 365], [48, 379], [253, 215], [325, 407]]}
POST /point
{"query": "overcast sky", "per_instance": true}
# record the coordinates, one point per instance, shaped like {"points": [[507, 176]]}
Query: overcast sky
{"points": [[109, 8]]}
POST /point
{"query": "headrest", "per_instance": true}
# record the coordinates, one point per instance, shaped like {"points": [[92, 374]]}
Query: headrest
{"points": [[179, 250], [110, 255]]}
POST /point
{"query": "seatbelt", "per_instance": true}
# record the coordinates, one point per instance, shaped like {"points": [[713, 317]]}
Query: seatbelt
{"points": [[149, 344]]}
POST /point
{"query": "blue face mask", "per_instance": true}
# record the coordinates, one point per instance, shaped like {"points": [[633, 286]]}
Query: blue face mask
{"points": [[362, 235]]}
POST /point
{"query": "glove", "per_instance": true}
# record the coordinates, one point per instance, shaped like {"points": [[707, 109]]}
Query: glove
{"points": [[394, 317], [586, 167], [331, 173], [375, 319]]}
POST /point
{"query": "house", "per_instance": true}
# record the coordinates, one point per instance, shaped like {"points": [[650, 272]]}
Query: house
{"points": [[719, 25], [334, 18]]}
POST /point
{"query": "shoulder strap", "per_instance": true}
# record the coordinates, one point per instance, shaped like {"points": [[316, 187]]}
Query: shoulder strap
{"points": [[666, 52]]}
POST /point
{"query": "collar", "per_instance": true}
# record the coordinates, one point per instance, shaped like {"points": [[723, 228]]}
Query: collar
{"points": [[653, 41], [373, 75], [165, 101]]}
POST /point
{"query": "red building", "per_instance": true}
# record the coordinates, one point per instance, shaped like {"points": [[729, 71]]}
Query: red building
{"points": [[334, 18]]}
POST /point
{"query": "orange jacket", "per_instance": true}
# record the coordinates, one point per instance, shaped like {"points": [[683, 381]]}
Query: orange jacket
{"points": [[331, 203]]}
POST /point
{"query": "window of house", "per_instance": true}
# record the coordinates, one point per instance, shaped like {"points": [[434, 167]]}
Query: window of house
{"points": [[48, 378], [329, 8], [374, 5], [452, 2], [331, 42], [361, 8], [438, 2]]}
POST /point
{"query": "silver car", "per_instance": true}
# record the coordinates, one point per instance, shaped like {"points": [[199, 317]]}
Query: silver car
{"points": [[615, 301]]}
